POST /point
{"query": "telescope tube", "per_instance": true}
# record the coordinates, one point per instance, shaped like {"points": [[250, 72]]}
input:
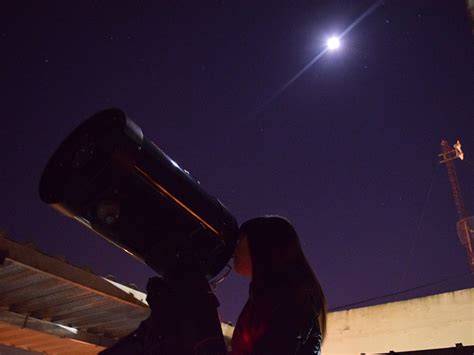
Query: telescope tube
{"points": [[111, 178]]}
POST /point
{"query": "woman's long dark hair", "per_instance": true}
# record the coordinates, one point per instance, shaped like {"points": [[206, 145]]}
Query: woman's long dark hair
{"points": [[275, 251]]}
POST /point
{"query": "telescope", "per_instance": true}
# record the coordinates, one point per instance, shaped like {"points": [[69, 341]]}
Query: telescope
{"points": [[112, 179]]}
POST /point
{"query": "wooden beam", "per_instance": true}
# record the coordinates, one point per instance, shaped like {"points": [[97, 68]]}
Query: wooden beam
{"points": [[22, 321]]}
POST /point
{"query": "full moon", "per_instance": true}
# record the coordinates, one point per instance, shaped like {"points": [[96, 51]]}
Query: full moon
{"points": [[333, 43]]}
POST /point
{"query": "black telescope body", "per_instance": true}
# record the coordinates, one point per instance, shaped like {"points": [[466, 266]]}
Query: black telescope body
{"points": [[111, 178]]}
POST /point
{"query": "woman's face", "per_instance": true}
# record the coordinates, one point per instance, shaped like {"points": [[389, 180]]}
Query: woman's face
{"points": [[242, 260]]}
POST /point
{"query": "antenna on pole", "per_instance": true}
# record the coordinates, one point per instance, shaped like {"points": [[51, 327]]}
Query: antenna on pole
{"points": [[464, 225]]}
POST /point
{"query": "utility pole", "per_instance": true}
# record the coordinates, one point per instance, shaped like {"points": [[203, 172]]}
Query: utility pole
{"points": [[464, 225]]}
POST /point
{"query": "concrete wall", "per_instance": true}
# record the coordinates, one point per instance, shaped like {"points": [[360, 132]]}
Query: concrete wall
{"points": [[432, 322]]}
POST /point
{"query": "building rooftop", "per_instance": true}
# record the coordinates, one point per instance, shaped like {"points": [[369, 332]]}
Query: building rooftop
{"points": [[48, 305]]}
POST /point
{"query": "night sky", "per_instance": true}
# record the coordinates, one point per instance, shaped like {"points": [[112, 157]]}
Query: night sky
{"points": [[348, 152]]}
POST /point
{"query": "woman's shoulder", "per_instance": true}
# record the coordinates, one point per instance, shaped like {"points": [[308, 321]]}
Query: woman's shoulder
{"points": [[292, 295], [299, 301], [285, 290]]}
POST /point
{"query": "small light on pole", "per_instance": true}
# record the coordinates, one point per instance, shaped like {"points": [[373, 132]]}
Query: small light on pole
{"points": [[333, 43]]}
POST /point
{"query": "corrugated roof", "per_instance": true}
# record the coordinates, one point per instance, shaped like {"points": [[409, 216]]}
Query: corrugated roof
{"points": [[50, 306]]}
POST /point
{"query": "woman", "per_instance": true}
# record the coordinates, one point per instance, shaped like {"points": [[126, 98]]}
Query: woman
{"points": [[286, 309]]}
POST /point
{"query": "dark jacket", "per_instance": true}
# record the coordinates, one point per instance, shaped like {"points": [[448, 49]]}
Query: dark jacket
{"points": [[278, 318]]}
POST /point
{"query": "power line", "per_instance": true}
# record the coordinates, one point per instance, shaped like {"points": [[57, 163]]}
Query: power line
{"points": [[419, 229], [471, 164], [434, 283]]}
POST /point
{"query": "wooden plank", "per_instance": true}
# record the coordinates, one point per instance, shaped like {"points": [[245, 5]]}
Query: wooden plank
{"points": [[41, 263], [50, 328]]}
